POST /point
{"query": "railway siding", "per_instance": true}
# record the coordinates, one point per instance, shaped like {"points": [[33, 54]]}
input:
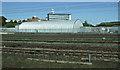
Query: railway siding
{"points": [[61, 41], [37, 50]]}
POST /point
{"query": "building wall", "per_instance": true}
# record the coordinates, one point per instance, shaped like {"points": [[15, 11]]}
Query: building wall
{"points": [[59, 17]]}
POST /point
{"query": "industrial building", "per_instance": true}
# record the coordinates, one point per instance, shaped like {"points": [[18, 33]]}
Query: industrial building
{"points": [[63, 26], [58, 16]]}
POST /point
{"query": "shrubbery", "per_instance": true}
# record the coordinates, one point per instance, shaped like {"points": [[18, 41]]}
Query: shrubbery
{"points": [[8, 25], [11, 24], [85, 24]]}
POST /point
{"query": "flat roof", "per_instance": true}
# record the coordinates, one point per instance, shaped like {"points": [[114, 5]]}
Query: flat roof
{"points": [[58, 14]]}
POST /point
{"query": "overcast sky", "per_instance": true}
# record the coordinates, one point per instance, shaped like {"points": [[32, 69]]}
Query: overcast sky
{"points": [[60, 0]]}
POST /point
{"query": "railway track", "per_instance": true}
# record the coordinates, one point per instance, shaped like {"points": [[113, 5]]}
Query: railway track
{"points": [[65, 41], [111, 49], [28, 35], [63, 52]]}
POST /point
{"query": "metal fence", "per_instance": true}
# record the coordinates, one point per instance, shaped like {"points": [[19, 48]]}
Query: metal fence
{"points": [[100, 29], [80, 30]]}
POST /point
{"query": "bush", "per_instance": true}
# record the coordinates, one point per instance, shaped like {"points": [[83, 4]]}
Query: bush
{"points": [[8, 25], [87, 25]]}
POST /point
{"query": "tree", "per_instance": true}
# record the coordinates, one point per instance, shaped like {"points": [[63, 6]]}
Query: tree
{"points": [[11, 21], [15, 21], [86, 24], [8, 25], [19, 22], [11, 24], [23, 21], [2, 20]]}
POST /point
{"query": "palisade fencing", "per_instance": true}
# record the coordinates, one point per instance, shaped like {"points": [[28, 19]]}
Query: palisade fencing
{"points": [[99, 30], [8, 29], [47, 30], [78, 30]]}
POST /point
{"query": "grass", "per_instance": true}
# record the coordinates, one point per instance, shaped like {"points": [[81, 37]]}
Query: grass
{"points": [[21, 61]]}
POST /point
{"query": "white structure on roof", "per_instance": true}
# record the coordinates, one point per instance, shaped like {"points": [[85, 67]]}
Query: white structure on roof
{"points": [[52, 12], [63, 26]]}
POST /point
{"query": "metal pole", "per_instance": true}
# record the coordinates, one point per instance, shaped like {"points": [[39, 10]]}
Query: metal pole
{"points": [[89, 56]]}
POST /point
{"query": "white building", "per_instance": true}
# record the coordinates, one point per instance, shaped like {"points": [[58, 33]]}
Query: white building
{"points": [[58, 16], [59, 26]]}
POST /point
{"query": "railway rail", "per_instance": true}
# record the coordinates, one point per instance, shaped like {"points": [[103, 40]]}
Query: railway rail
{"points": [[65, 41], [63, 52], [27, 35], [111, 49]]}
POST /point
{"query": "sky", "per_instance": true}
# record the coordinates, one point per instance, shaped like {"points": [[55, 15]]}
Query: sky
{"points": [[82, 17], [94, 13], [60, 0]]}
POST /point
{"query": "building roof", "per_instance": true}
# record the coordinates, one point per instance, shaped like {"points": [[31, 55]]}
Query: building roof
{"points": [[58, 14], [63, 24]]}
